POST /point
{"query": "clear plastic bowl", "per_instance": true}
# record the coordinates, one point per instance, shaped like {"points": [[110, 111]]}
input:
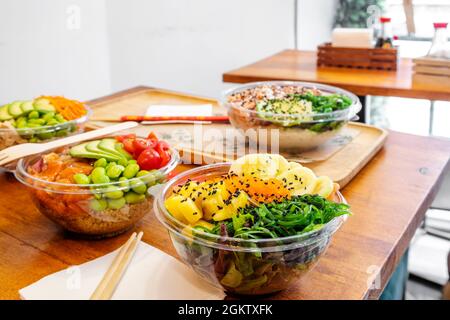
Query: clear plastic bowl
{"points": [[267, 265], [70, 205], [13, 136], [292, 132]]}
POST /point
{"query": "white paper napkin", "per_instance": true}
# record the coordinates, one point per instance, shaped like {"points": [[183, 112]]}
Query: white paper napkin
{"points": [[151, 275]]}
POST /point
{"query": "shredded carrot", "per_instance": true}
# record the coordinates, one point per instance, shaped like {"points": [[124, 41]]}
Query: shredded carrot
{"points": [[69, 109]]}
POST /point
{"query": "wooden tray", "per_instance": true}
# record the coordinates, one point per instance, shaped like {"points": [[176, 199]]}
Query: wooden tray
{"points": [[362, 58], [432, 71], [342, 165]]}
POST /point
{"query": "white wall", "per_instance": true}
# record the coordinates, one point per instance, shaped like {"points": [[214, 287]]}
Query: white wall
{"points": [[183, 45], [187, 45], [42, 51], [315, 22]]}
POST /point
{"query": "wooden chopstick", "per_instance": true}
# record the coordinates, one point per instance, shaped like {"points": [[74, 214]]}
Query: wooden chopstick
{"points": [[167, 118], [111, 279]]}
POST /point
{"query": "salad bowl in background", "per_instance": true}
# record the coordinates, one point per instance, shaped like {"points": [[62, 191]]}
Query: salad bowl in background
{"points": [[300, 115], [34, 121]]}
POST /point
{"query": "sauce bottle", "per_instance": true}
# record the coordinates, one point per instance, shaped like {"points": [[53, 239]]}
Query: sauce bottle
{"points": [[384, 40], [440, 47]]}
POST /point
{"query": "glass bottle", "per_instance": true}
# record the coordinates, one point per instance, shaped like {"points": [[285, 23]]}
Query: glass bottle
{"points": [[440, 47], [384, 39]]}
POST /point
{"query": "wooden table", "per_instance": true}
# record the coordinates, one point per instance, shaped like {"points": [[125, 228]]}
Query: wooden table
{"points": [[297, 65], [389, 198]]}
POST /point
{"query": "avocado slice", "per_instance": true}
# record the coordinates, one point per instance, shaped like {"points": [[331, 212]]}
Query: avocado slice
{"points": [[15, 110], [43, 106], [93, 147], [109, 145], [81, 151], [27, 107], [119, 147], [4, 114]]}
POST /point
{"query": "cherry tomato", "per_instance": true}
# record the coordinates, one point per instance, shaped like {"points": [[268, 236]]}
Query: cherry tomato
{"points": [[126, 136], [163, 150], [149, 159], [140, 145], [128, 145], [152, 136]]}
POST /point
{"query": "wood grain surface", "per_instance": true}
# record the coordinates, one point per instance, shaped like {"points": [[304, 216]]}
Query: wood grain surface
{"points": [[341, 166], [301, 66], [389, 198]]}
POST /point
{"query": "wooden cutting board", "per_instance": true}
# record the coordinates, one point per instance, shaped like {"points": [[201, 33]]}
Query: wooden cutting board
{"points": [[353, 149]]}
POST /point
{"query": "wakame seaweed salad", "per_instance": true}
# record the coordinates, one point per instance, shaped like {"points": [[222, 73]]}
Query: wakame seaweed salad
{"points": [[290, 217]]}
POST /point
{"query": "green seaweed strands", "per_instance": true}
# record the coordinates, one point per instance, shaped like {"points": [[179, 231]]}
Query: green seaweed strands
{"points": [[289, 217]]}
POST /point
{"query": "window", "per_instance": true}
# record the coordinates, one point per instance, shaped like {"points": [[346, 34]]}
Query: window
{"points": [[425, 12]]}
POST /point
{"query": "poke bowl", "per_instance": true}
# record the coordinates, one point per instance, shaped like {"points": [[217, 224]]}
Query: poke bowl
{"points": [[251, 240], [296, 116], [98, 188], [40, 120]]}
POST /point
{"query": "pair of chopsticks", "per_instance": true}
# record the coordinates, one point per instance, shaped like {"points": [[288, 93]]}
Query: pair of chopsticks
{"points": [[166, 118], [111, 279]]}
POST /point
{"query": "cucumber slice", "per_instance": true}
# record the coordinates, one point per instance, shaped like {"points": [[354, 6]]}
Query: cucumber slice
{"points": [[109, 145], [80, 151], [43, 106], [93, 146], [15, 110], [27, 107], [4, 114]]}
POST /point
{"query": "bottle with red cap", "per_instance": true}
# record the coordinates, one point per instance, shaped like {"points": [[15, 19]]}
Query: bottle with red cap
{"points": [[385, 38], [440, 48]]}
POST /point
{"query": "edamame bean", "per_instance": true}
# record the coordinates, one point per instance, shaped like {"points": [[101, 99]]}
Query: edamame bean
{"points": [[132, 161], [81, 178], [113, 192], [98, 204], [48, 116], [133, 197], [138, 186], [109, 165], [37, 121], [98, 175], [52, 122], [116, 203], [34, 140], [21, 122], [142, 173], [123, 162], [115, 171], [149, 179], [33, 115], [100, 163], [33, 125], [123, 183], [131, 170], [46, 135], [96, 193], [61, 133], [60, 118]]}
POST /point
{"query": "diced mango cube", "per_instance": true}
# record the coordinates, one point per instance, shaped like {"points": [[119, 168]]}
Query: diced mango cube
{"points": [[240, 201], [173, 206], [190, 210], [227, 212], [193, 190], [211, 205]]}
